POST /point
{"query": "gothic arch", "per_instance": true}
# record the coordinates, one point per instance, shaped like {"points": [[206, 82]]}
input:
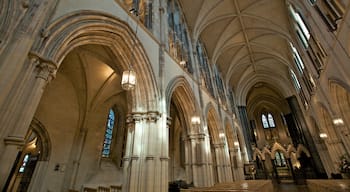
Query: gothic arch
{"points": [[278, 147], [37, 127], [86, 27], [340, 96], [180, 90], [229, 134], [213, 123]]}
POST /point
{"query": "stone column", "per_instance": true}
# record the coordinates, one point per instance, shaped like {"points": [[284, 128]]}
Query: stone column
{"points": [[146, 158], [37, 182], [246, 130], [13, 58], [18, 125]]}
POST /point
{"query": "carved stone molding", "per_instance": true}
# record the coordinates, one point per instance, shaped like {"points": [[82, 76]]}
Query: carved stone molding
{"points": [[14, 141], [150, 116], [150, 157], [199, 136], [164, 158], [219, 145]]}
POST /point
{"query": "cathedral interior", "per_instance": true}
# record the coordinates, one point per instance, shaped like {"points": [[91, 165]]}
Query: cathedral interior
{"points": [[158, 95]]}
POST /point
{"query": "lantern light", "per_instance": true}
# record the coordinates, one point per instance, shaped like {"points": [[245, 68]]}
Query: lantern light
{"points": [[128, 80], [195, 120]]}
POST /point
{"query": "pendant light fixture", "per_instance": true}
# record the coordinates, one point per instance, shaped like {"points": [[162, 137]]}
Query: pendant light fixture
{"points": [[129, 76]]}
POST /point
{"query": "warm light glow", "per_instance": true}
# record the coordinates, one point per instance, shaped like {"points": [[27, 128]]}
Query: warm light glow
{"points": [[338, 121], [323, 135], [128, 80], [236, 144], [182, 62], [221, 135], [297, 164], [195, 120]]}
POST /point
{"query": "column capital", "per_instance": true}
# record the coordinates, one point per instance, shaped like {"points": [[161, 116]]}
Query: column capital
{"points": [[46, 68], [151, 116], [219, 145]]}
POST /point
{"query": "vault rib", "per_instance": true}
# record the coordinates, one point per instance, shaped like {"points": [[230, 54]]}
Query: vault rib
{"points": [[239, 15]]}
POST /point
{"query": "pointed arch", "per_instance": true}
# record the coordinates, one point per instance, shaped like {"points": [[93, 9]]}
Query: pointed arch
{"points": [[180, 90], [278, 147], [85, 27], [213, 123]]}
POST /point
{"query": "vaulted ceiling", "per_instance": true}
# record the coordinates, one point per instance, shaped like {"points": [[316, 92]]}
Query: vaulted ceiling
{"points": [[247, 39]]}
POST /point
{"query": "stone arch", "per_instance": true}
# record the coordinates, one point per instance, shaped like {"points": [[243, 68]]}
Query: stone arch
{"points": [[257, 153], [213, 123], [85, 27], [180, 106], [302, 149], [42, 133], [181, 91], [229, 134], [340, 96], [278, 147]]}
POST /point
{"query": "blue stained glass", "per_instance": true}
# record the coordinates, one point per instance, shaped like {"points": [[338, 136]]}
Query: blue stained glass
{"points": [[109, 134]]}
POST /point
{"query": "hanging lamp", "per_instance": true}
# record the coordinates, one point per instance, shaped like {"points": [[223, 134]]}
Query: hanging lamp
{"points": [[128, 82]]}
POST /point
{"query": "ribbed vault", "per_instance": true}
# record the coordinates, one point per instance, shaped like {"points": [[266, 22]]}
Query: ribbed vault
{"points": [[247, 39]]}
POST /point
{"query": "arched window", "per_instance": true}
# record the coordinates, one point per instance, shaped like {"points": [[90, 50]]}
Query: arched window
{"points": [[302, 31], [295, 81], [108, 134], [297, 59], [271, 121], [204, 68], [179, 44], [280, 161], [264, 121]]}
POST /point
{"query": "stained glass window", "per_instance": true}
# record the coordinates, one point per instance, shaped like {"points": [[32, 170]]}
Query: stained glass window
{"points": [[295, 81], [24, 163], [264, 121], [271, 121], [108, 134]]}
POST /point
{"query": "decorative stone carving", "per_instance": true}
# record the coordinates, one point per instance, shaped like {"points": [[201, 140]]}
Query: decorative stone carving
{"points": [[151, 116], [46, 68]]}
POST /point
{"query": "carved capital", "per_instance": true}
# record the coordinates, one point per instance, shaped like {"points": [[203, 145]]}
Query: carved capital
{"points": [[46, 68], [151, 116]]}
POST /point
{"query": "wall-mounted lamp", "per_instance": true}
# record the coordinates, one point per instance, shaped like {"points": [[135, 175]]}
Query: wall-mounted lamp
{"points": [[183, 63], [323, 135], [338, 121], [195, 120], [236, 144]]}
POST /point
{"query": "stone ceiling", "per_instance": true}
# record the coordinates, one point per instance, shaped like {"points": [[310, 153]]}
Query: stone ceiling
{"points": [[247, 39]]}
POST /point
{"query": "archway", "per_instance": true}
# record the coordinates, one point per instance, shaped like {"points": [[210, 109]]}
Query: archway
{"points": [[35, 153], [215, 144], [333, 142], [87, 57], [182, 148], [341, 98]]}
